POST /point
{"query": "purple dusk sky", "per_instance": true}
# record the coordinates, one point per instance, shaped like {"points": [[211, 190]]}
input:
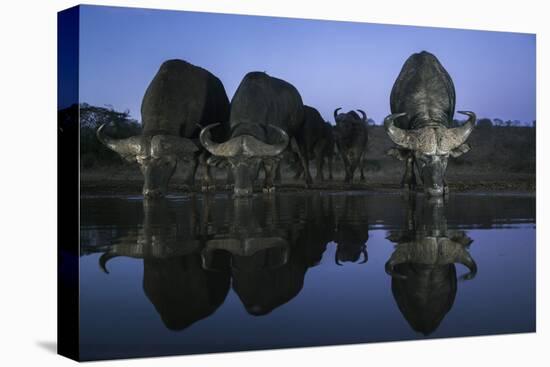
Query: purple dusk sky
{"points": [[333, 64]]}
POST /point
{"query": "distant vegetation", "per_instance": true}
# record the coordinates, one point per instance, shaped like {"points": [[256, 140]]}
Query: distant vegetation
{"points": [[120, 125]]}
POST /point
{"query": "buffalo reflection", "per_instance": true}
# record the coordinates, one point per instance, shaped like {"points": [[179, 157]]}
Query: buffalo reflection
{"points": [[422, 266], [271, 242], [266, 258], [174, 280], [165, 233], [260, 246], [182, 291], [352, 231]]}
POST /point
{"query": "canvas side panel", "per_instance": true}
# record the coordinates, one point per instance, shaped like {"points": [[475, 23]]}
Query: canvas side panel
{"points": [[68, 183]]}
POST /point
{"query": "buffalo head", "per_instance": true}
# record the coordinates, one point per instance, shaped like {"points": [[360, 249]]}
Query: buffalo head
{"points": [[431, 146], [345, 122], [244, 153], [422, 266], [157, 156], [350, 253]]}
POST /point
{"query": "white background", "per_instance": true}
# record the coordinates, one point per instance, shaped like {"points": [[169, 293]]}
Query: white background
{"points": [[28, 182]]}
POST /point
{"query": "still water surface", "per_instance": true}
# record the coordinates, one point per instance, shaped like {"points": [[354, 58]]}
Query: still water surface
{"points": [[197, 274]]}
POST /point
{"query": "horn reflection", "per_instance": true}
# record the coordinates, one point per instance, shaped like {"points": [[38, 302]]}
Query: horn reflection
{"points": [[422, 266]]}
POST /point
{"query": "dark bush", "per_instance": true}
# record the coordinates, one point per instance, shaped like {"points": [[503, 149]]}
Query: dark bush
{"points": [[484, 123], [120, 125]]}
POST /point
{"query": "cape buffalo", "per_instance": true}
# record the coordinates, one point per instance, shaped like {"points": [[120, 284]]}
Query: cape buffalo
{"points": [[316, 141], [181, 98], [270, 248], [351, 231], [266, 113], [174, 280], [253, 227], [422, 104], [422, 266], [165, 232], [351, 138], [264, 274], [182, 291]]}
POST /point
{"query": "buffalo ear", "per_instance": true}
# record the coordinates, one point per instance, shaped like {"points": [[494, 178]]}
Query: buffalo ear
{"points": [[400, 154], [461, 149]]}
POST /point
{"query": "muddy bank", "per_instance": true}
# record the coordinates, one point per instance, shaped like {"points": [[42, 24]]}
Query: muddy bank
{"points": [[132, 184], [501, 160]]}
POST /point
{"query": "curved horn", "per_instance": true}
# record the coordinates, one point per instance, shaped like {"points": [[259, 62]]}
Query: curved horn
{"points": [[245, 144], [336, 258], [277, 149], [207, 143], [397, 135], [365, 255], [364, 118], [458, 135], [468, 262], [390, 269], [336, 112], [127, 148], [104, 259]]}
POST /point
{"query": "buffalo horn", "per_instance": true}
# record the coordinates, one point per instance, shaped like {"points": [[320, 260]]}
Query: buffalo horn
{"points": [[467, 260], [397, 135], [104, 259], [457, 136], [336, 112], [390, 269], [363, 114], [127, 148]]}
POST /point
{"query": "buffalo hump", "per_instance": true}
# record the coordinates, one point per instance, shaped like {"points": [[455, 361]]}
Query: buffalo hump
{"points": [[179, 97], [425, 91], [262, 99]]}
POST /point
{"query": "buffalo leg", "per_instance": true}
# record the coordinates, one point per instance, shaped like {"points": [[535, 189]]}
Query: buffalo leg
{"points": [[278, 176], [362, 162], [298, 170], [409, 180], [351, 171], [190, 179], [182, 170], [320, 161], [270, 167], [229, 178], [302, 154], [207, 183], [329, 161], [346, 164]]}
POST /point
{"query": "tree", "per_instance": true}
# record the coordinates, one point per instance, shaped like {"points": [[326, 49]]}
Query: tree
{"points": [[484, 123], [120, 125]]}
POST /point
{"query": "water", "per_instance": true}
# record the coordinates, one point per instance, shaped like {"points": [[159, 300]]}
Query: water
{"points": [[196, 274]]}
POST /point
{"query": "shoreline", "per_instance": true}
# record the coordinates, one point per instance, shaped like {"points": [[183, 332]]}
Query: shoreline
{"points": [[134, 186]]}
